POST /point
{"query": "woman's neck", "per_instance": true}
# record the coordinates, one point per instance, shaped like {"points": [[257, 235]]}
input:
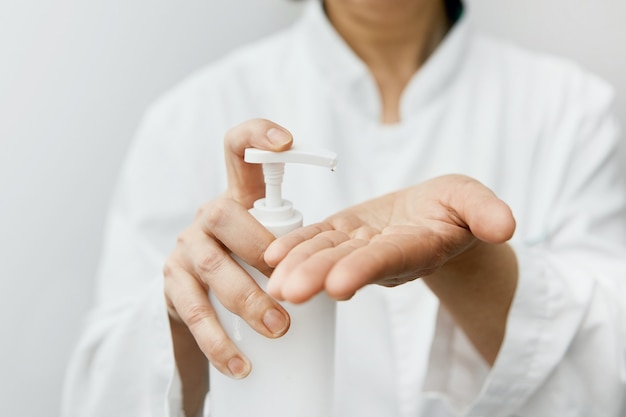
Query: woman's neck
{"points": [[393, 37]]}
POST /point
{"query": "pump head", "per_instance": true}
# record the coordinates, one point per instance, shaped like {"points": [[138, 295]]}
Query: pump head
{"points": [[272, 211], [274, 167]]}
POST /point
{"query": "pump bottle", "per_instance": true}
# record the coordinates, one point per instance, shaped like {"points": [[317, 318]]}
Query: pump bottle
{"points": [[291, 376]]}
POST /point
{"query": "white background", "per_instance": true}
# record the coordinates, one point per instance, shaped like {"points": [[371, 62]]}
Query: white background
{"points": [[74, 79]]}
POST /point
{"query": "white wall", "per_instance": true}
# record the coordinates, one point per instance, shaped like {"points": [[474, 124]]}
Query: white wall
{"points": [[592, 32], [74, 78]]}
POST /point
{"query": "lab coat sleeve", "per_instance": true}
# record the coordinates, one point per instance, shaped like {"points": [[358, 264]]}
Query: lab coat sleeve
{"points": [[563, 353], [123, 364]]}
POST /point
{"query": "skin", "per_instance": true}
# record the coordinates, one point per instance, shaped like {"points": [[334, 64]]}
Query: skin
{"points": [[450, 231], [393, 37], [201, 262]]}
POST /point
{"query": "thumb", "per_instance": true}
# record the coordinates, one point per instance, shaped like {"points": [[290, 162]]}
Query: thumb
{"points": [[245, 181], [488, 218]]}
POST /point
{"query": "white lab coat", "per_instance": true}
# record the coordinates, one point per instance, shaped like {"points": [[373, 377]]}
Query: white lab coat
{"points": [[537, 130]]}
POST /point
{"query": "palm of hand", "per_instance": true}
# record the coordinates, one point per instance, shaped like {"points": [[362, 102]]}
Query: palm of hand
{"points": [[389, 240]]}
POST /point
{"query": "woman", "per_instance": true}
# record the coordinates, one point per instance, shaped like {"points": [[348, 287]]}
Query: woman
{"points": [[437, 120]]}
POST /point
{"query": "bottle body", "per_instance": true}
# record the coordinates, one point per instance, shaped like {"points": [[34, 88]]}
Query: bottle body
{"points": [[292, 375]]}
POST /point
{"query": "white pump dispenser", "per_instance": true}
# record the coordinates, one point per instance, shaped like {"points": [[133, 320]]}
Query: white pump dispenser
{"points": [[293, 375]]}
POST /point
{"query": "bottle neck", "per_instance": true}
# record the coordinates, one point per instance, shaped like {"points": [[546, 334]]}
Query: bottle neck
{"points": [[273, 173], [278, 220]]}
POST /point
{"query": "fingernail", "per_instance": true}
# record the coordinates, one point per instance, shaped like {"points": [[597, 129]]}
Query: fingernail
{"points": [[275, 321], [278, 137], [237, 367]]}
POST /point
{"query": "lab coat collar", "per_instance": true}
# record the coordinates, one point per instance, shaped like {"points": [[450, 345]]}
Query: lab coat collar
{"points": [[336, 63], [349, 77]]}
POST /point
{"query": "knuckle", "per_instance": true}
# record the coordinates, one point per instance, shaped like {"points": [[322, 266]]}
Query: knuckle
{"points": [[200, 212], [173, 263], [247, 301], [232, 132], [217, 349], [184, 238], [168, 268], [196, 314], [211, 262], [217, 214], [171, 266]]}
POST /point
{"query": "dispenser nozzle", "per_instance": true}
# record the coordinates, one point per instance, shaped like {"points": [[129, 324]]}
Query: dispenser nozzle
{"points": [[274, 166], [294, 155]]}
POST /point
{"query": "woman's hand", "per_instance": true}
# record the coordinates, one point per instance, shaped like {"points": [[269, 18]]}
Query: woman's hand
{"points": [[202, 262], [449, 231], [389, 240]]}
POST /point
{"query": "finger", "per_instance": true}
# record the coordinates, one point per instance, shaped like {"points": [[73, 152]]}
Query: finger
{"points": [[245, 181], [189, 299], [231, 224], [295, 278], [309, 278], [388, 259], [211, 264], [489, 218], [280, 247]]}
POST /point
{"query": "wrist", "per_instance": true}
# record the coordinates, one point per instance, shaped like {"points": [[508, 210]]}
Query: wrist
{"points": [[477, 288]]}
